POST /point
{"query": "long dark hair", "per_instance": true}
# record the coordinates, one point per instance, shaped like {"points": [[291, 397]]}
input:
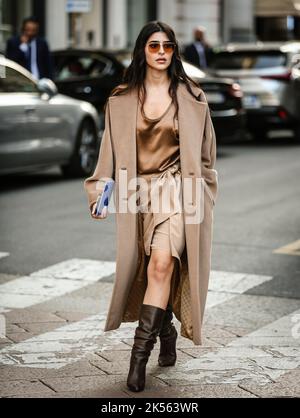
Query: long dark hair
{"points": [[134, 75]]}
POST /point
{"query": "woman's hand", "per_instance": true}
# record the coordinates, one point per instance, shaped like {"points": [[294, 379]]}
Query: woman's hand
{"points": [[102, 215]]}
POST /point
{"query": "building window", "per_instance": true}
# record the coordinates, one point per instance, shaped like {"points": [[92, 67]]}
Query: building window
{"points": [[281, 28], [7, 21], [139, 12]]}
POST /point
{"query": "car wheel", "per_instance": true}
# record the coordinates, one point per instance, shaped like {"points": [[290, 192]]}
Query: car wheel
{"points": [[83, 160]]}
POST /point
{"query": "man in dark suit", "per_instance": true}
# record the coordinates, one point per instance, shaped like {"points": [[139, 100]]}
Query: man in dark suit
{"points": [[199, 52], [30, 50]]}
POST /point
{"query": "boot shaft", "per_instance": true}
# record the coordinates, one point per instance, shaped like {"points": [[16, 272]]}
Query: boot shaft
{"points": [[150, 323]]}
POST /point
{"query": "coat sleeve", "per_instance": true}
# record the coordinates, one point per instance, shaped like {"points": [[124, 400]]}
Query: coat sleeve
{"points": [[105, 168], [209, 153]]}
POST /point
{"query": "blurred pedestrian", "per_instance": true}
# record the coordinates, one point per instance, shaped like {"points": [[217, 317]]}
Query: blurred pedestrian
{"points": [[30, 50], [199, 52]]}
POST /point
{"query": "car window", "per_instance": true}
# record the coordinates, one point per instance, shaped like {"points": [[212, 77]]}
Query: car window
{"points": [[15, 82], [244, 60], [124, 57], [75, 67]]}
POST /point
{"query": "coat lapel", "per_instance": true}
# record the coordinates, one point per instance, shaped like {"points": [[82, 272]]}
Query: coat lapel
{"points": [[191, 119]]}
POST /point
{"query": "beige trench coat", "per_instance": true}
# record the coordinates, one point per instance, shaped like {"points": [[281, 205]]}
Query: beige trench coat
{"points": [[117, 157]]}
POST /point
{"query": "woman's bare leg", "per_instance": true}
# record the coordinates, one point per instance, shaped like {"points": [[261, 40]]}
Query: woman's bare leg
{"points": [[159, 273]]}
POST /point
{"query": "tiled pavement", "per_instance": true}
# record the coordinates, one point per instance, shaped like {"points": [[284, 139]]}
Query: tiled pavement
{"points": [[53, 344]]}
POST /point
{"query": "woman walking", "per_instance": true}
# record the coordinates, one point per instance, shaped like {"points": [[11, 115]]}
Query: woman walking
{"points": [[159, 144]]}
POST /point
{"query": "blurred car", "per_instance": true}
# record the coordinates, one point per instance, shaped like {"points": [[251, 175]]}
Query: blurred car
{"points": [[223, 95], [87, 75], [296, 98], [41, 128], [265, 73], [93, 74]]}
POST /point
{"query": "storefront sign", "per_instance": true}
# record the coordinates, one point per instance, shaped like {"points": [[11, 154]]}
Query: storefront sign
{"points": [[78, 6]]}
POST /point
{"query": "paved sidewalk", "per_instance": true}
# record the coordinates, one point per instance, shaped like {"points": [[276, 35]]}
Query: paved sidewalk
{"points": [[54, 344]]}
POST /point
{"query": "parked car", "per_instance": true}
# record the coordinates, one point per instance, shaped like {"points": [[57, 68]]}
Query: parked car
{"points": [[296, 96], [41, 128], [87, 74], [223, 95], [265, 73], [93, 74]]}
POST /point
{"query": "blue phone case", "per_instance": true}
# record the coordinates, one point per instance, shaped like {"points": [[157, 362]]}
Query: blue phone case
{"points": [[104, 200]]}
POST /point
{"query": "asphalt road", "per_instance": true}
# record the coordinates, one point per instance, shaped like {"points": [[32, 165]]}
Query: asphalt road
{"points": [[45, 218], [57, 269]]}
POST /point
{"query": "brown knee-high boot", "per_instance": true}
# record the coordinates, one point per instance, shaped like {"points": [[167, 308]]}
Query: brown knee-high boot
{"points": [[168, 336], [150, 322]]}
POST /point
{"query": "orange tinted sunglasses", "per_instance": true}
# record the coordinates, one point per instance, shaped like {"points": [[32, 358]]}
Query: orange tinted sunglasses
{"points": [[154, 47]]}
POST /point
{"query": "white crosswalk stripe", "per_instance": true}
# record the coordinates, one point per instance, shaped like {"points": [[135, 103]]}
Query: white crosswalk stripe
{"points": [[72, 342], [51, 282], [70, 275], [261, 356], [57, 348], [225, 285], [3, 254]]}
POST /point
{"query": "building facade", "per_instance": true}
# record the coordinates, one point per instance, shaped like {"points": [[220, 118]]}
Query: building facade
{"points": [[116, 23], [108, 23]]}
